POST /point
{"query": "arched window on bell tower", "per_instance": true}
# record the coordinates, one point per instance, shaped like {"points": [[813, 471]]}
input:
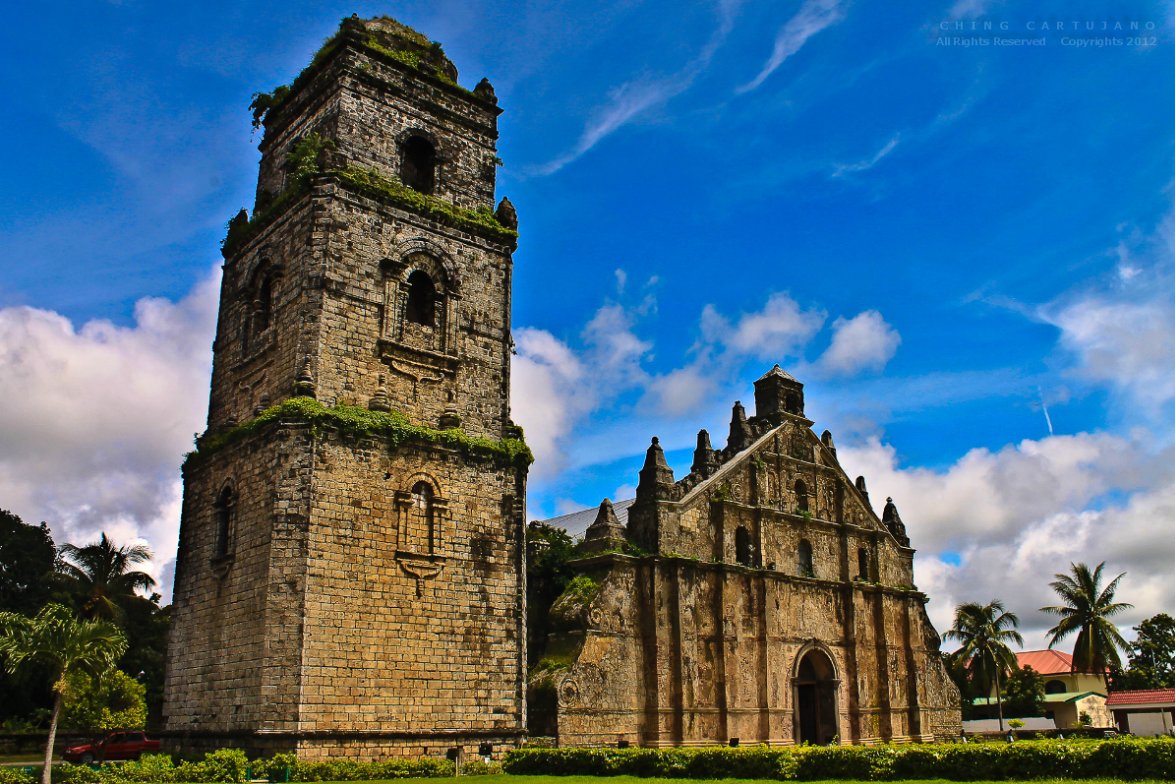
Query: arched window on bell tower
{"points": [[422, 297], [260, 298], [224, 510], [420, 538], [418, 162]]}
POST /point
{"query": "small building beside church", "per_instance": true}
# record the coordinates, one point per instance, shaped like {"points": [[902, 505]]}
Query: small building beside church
{"points": [[1144, 711], [1067, 694], [758, 599]]}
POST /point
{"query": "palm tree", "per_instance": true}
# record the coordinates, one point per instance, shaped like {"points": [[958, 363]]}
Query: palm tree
{"points": [[100, 579], [54, 637], [985, 630], [1086, 610]]}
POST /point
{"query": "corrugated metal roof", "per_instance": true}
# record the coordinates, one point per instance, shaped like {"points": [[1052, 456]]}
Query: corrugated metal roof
{"points": [[575, 523], [1118, 699], [1046, 662]]}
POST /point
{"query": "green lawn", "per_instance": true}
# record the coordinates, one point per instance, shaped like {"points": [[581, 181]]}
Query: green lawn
{"points": [[507, 779]]}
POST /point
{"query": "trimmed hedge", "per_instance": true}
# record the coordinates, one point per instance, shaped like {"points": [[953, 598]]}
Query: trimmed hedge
{"points": [[287, 767], [231, 766], [1119, 758]]}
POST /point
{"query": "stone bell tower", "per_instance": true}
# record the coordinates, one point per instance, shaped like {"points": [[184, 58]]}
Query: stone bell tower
{"points": [[350, 577]]}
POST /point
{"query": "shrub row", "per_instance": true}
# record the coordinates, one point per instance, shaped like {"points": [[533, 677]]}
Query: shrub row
{"points": [[231, 766], [1121, 758], [287, 767]]}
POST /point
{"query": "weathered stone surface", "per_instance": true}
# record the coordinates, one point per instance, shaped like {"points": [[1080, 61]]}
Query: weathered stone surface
{"points": [[773, 606], [335, 594]]}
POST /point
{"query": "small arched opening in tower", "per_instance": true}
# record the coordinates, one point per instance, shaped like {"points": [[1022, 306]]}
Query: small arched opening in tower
{"points": [[420, 520], [418, 163], [263, 306], [422, 296], [225, 504]]}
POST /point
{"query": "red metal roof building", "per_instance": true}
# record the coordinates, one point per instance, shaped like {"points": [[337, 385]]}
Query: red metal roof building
{"points": [[1144, 711]]}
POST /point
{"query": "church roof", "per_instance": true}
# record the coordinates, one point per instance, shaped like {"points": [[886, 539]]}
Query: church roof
{"points": [[575, 523], [1047, 662], [778, 372]]}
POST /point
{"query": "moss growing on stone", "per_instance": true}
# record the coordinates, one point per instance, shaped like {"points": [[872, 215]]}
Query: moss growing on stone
{"points": [[356, 423], [382, 35], [375, 185], [569, 608], [383, 188]]}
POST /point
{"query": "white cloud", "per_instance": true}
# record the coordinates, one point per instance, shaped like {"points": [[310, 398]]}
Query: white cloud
{"points": [[682, 391], [555, 386], [864, 342], [781, 329], [1126, 345], [96, 419], [813, 16], [969, 8], [558, 387], [1017, 516]]}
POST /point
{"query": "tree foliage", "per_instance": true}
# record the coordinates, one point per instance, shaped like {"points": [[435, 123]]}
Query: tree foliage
{"points": [[27, 559], [548, 551], [1152, 656], [1086, 612], [1024, 693], [69, 647], [115, 701], [984, 632], [100, 579]]}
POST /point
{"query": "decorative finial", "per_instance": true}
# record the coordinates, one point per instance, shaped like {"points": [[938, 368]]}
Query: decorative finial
{"points": [[740, 431], [485, 91], [506, 214], [606, 532], [379, 401], [304, 384], [705, 461]]}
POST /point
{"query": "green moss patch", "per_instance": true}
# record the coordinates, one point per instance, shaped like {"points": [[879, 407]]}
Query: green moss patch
{"points": [[574, 600], [367, 182], [358, 423], [373, 183], [387, 37]]}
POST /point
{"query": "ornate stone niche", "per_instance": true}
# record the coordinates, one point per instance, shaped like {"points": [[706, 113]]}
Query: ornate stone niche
{"points": [[418, 337], [421, 518]]}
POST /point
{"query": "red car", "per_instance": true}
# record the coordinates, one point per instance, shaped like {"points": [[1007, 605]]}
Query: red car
{"points": [[115, 746]]}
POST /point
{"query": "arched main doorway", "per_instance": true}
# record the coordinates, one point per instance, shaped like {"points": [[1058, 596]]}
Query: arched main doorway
{"points": [[815, 684]]}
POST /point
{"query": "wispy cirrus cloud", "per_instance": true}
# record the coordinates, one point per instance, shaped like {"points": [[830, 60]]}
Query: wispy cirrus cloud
{"points": [[841, 169], [634, 98], [813, 16]]}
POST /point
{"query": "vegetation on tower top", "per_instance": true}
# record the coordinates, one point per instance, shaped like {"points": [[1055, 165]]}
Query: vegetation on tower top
{"points": [[382, 35]]}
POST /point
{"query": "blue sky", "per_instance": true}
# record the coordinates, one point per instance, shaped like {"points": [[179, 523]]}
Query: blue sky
{"points": [[943, 238]]}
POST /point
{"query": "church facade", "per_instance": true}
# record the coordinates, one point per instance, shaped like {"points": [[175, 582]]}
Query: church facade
{"points": [[351, 568], [759, 599]]}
